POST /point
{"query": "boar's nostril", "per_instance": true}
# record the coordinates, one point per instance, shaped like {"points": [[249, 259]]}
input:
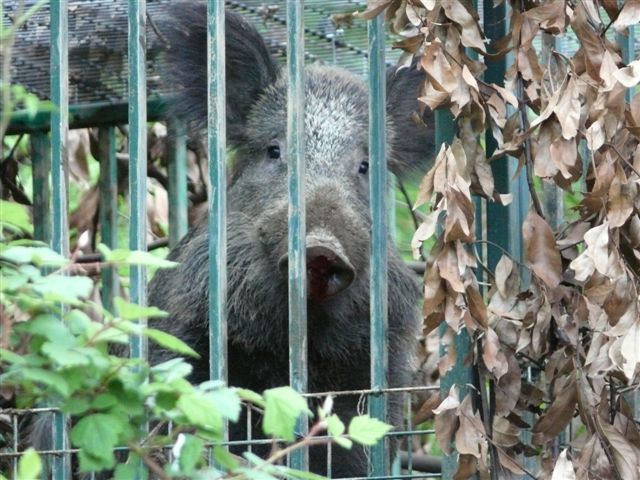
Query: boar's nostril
{"points": [[328, 273]]}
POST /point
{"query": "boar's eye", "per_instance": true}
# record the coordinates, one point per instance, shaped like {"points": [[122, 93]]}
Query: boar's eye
{"points": [[364, 167], [273, 151]]}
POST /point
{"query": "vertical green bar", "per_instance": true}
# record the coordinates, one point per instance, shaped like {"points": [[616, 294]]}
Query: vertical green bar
{"points": [[460, 374], [297, 228], [41, 162], [627, 45], [59, 204], [378, 185], [218, 194], [177, 166], [108, 208], [498, 219], [138, 158]]}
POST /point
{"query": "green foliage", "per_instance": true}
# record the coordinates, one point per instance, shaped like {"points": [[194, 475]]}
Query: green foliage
{"points": [[366, 430], [283, 408], [62, 350]]}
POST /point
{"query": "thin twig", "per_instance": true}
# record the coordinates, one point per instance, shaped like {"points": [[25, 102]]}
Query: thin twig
{"points": [[524, 120]]}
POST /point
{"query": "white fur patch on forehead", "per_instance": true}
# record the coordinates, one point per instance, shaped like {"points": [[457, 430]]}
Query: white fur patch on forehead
{"points": [[335, 113]]}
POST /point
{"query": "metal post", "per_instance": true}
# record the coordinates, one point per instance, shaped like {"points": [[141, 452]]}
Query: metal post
{"points": [[297, 228], [217, 143], [41, 162], [108, 208], [627, 47], [378, 185], [460, 374], [137, 158], [177, 170], [504, 223], [59, 181]]}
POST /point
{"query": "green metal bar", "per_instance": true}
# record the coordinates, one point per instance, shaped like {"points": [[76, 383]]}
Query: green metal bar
{"points": [[177, 166], [460, 374], [108, 208], [41, 162], [297, 228], [217, 197], [498, 226], [627, 46], [59, 182], [94, 114], [137, 158], [378, 184]]}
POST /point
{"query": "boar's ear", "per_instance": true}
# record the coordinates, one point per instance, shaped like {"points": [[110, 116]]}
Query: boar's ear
{"points": [[412, 141], [249, 66]]}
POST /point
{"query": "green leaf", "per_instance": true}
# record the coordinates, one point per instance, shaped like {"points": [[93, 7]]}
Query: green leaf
{"points": [[76, 405], [228, 403], [30, 465], [78, 322], [201, 411], [16, 215], [170, 342], [39, 256], [224, 458], [64, 356], [104, 401], [95, 463], [190, 454], [251, 396], [7, 356], [283, 406], [49, 326], [126, 471], [335, 427], [64, 288], [31, 102], [50, 379], [344, 442], [131, 311], [171, 370], [366, 430], [97, 435]]}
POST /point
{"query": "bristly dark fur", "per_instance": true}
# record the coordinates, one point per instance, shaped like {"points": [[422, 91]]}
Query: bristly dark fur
{"points": [[249, 66], [337, 202]]}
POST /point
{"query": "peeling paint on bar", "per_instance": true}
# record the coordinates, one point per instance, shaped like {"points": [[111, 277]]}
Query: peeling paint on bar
{"points": [[216, 138], [137, 159], [108, 208], [177, 172], [379, 237], [298, 374], [60, 465]]}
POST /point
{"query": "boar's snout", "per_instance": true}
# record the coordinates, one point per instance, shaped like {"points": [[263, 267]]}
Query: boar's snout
{"points": [[329, 271]]}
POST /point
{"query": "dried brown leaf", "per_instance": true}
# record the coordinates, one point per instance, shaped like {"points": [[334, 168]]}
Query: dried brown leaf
{"points": [[568, 110], [550, 16], [555, 419], [493, 356], [629, 15], [470, 434], [458, 14], [564, 468], [540, 250]]}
